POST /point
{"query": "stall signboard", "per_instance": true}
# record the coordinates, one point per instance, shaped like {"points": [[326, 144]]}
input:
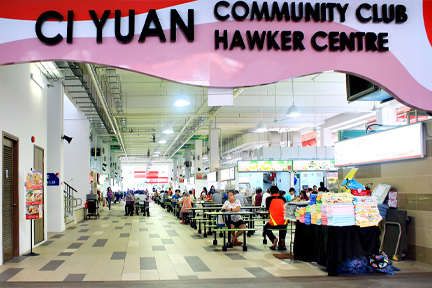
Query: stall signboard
{"points": [[53, 179], [201, 176], [227, 174], [401, 143], [34, 194], [211, 177], [266, 165], [314, 165]]}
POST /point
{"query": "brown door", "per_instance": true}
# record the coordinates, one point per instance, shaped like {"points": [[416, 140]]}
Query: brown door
{"points": [[39, 234], [10, 199]]}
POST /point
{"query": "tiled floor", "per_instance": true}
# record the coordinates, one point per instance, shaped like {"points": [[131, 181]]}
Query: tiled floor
{"points": [[137, 248]]}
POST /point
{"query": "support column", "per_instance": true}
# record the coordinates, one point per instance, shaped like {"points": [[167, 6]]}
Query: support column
{"points": [[54, 194], [174, 170], [275, 139], [325, 137], [387, 116], [198, 156], [214, 149]]}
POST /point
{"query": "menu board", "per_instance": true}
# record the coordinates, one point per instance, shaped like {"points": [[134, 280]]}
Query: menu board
{"points": [[211, 177], [269, 165], [232, 173], [34, 194], [405, 142], [314, 165], [227, 174]]}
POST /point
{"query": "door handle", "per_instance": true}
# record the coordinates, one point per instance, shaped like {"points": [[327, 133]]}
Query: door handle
{"points": [[14, 204]]}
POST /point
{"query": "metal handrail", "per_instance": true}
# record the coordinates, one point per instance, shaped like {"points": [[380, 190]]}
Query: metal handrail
{"points": [[70, 201]]}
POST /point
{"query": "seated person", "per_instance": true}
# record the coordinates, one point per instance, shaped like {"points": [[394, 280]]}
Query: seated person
{"points": [[290, 195], [303, 195], [142, 198], [186, 202], [275, 206], [233, 204], [129, 204]]}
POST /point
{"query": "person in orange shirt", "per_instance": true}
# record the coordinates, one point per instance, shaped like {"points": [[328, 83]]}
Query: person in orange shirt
{"points": [[275, 206]]}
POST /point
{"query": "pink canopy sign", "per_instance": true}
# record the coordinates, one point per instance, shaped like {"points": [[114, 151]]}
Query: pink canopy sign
{"points": [[231, 43]]}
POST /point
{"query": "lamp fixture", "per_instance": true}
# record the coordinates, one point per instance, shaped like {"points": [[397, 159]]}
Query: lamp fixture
{"points": [[162, 139], [261, 127], [167, 129], [182, 100], [204, 157], [228, 156], [293, 111]]}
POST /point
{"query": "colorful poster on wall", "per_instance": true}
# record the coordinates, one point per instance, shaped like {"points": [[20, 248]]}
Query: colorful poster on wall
{"points": [[201, 176], [313, 165], [34, 194], [262, 166]]}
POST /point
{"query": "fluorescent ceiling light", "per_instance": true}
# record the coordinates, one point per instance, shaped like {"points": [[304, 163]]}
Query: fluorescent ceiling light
{"points": [[182, 100], [293, 111], [37, 80], [167, 129], [205, 157], [156, 152], [261, 127], [162, 139]]}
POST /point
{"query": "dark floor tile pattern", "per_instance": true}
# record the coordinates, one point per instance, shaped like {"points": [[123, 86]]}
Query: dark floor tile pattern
{"points": [[189, 277], [172, 233], [46, 243], [74, 278], [75, 246], [83, 230], [167, 241], [9, 273], [235, 256], [52, 265], [115, 221], [57, 236], [143, 229], [154, 236], [83, 238], [17, 259], [105, 218], [213, 249], [124, 235], [128, 224], [118, 228], [118, 256], [84, 225], [65, 254], [72, 228], [158, 248], [197, 264], [148, 263], [259, 272], [100, 243]]}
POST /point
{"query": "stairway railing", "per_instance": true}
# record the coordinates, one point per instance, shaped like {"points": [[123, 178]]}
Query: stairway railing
{"points": [[71, 201]]}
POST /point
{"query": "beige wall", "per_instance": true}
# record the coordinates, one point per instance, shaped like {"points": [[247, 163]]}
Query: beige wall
{"points": [[412, 179]]}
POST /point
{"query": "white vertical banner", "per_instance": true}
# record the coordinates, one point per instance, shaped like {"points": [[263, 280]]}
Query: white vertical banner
{"points": [[220, 96]]}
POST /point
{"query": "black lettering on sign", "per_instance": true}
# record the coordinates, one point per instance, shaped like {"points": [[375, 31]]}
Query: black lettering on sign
{"points": [[41, 19], [157, 31], [128, 38], [99, 23]]}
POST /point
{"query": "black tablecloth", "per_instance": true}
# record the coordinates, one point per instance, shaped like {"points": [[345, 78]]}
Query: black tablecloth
{"points": [[329, 245]]}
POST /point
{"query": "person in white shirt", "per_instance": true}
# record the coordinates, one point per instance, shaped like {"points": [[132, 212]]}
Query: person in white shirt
{"points": [[264, 197], [233, 204]]}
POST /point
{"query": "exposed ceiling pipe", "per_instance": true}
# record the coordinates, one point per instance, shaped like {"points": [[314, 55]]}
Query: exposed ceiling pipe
{"points": [[104, 105], [139, 115]]}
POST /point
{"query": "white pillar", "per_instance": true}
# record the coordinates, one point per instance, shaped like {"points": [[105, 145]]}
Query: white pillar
{"points": [[188, 161], [54, 195], [325, 137], [174, 170], [214, 149], [198, 156], [387, 116], [275, 139]]}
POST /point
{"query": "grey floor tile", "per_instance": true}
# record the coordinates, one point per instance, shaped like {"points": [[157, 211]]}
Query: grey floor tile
{"points": [[74, 278], [74, 245], [154, 236], [123, 217], [172, 233], [46, 243], [196, 264], [65, 254], [105, 218], [235, 256], [167, 241], [52, 265], [100, 243], [143, 229], [148, 263], [83, 238], [158, 248], [166, 226], [118, 228], [115, 221], [17, 259], [57, 236], [9, 273], [124, 235], [197, 236], [84, 225], [83, 230], [118, 256], [171, 222], [212, 249], [188, 277], [72, 228], [128, 224], [259, 272]]}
